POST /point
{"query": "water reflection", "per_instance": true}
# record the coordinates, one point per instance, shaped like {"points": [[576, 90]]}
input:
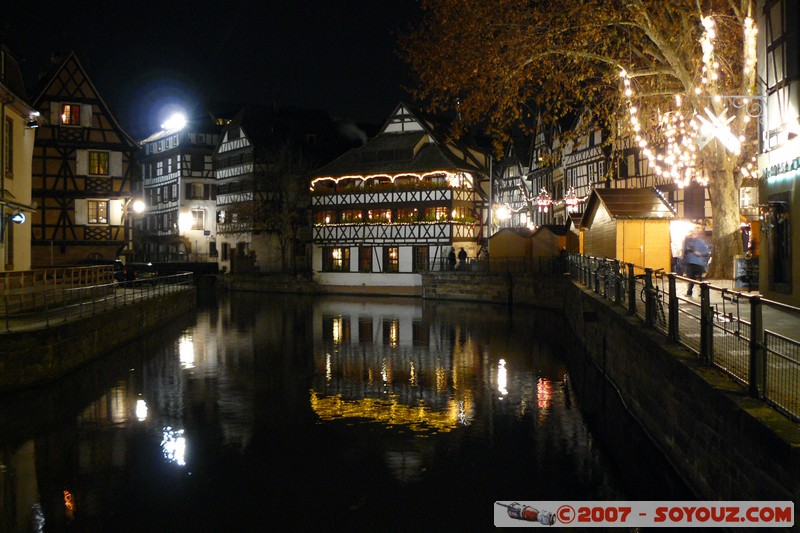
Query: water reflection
{"points": [[376, 412]]}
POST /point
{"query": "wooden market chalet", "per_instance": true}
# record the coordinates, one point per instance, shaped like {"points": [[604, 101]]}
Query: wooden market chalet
{"points": [[395, 206]]}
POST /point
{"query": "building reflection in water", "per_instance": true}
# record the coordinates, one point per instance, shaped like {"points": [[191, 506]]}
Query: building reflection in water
{"points": [[385, 364], [412, 384]]}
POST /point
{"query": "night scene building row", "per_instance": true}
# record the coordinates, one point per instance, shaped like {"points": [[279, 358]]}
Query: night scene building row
{"points": [[256, 193]]}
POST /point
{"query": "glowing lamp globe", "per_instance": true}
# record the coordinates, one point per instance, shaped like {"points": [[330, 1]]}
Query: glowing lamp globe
{"points": [[176, 122]]}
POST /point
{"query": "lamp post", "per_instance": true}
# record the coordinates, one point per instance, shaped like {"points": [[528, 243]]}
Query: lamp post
{"points": [[138, 207]]}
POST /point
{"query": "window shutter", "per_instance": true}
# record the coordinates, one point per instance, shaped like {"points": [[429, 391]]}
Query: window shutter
{"points": [[188, 193], [55, 113], [81, 217], [86, 115], [206, 192], [115, 212], [81, 162], [115, 164]]}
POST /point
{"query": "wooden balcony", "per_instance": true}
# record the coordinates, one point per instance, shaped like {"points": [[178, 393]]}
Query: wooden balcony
{"points": [[393, 197], [379, 234]]}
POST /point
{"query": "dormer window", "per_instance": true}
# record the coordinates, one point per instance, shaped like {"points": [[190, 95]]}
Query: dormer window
{"points": [[71, 114]]}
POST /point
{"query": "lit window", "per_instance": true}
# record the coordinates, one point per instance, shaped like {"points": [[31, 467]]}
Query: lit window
{"points": [[406, 215], [98, 163], [351, 216], [336, 260], [71, 114], [391, 259], [97, 211], [325, 217], [435, 213], [379, 215]]}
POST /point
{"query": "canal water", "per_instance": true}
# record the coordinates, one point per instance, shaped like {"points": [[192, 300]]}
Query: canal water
{"points": [[274, 412]]}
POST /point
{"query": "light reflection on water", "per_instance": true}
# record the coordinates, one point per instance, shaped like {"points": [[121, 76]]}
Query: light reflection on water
{"points": [[380, 413]]}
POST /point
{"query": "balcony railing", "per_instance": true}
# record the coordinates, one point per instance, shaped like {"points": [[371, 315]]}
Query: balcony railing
{"points": [[431, 232], [377, 196]]}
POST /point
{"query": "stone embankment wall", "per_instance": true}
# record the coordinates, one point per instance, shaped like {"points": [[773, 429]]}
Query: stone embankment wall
{"points": [[30, 358], [544, 291], [283, 283], [725, 445]]}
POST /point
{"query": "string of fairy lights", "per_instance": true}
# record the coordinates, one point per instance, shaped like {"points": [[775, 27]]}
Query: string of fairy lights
{"points": [[684, 136]]}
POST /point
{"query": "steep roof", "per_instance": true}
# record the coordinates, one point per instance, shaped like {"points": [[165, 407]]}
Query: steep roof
{"points": [[555, 229], [62, 82], [647, 203], [312, 131], [522, 232], [409, 142]]}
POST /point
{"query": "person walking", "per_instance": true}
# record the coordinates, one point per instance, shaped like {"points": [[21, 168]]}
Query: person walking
{"points": [[451, 259], [462, 259], [695, 257]]}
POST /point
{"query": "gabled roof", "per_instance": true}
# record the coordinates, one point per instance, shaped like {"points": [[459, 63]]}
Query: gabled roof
{"points": [[409, 142], [310, 131], [11, 75], [522, 232], [647, 203], [555, 229], [67, 91]]}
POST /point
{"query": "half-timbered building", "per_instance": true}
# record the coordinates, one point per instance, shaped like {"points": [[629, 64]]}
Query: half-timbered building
{"points": [[262, 164], [179, 192], [511, 197], [395, 207], [82, 173], [18, 121], [779, 160]]}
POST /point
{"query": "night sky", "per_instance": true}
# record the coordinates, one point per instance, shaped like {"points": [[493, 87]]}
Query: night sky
{"points": [[148, 57]]}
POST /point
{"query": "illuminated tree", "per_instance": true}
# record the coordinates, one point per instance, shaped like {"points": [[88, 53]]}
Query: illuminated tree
{"points": [[499, 63]]}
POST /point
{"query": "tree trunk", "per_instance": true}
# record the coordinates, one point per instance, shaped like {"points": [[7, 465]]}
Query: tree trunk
{"points": [[724, 195]]}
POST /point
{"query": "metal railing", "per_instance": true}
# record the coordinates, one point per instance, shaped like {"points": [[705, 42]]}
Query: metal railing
{"points": [[515, 265], [56, 304], [754, 340]]}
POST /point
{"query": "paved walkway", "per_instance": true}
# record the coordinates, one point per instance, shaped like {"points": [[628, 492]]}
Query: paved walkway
{"points": [[118, 297], [736, 303]]}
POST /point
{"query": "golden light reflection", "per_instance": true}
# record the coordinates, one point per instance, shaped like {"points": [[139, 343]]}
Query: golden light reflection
{"points": [[328, 372], [186, 352], [502, 378], [69, 505], [544, 393], [394, 333], [441, 379], [141, 409], [337, 325], [386, 371], [413, 374], [390, 412]]}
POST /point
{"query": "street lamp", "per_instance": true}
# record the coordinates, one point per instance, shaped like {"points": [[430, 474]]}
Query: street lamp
{"points": [[185, 222], [176, 122], [138, 207]]}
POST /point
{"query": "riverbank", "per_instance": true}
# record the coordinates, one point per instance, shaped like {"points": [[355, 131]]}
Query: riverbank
{"points": [[44, 354]]}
